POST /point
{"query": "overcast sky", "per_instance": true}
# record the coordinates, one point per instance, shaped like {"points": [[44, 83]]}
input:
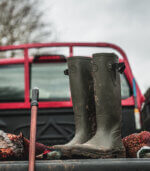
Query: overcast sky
{"points": [[123, 22]]}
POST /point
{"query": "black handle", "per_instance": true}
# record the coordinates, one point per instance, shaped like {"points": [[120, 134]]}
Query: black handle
{"points": [[66, 72], [35, 96], [120, 67]]}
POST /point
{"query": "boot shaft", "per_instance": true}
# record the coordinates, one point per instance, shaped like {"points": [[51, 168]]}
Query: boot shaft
{"points": [[82, 92], [107, 90]]}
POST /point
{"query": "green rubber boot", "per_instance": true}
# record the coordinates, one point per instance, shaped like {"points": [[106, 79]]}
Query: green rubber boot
{"points": [[82, 92], [107, 141]]}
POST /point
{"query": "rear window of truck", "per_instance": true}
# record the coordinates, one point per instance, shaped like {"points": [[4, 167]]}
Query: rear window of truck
{"points": [[125, 87], [12, 83], [48, 77]]}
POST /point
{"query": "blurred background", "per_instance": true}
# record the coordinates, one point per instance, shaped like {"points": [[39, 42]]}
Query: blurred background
{"points": [[121, 22], [125, 23]]}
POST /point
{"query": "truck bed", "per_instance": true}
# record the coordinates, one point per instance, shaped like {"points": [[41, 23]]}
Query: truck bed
{"points": [[82, 165]]}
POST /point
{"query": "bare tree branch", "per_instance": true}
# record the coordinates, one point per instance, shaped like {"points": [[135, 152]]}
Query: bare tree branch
{"points": [[21, 22]]}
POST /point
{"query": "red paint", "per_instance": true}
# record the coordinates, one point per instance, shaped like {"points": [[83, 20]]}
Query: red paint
{"points": [[11, 61], [128, 102], [26, 60], [30, 59], [19, 105], [46, 104], [71, 51], [26, 76], [60, 104]]}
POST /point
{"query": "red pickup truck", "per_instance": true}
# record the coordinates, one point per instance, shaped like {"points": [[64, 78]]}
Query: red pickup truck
{"points": [[55, 124]]}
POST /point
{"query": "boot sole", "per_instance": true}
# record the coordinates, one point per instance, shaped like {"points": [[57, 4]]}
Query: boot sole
{"points": [[65, 151], [95, 154], [79, 152]]}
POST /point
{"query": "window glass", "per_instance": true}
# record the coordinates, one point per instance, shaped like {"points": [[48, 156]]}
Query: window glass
{"points": [[51, 81], [125, 88], [12, 83]]}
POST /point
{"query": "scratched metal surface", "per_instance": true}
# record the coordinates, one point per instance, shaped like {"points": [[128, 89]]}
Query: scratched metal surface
{"points": [[83, 165]]}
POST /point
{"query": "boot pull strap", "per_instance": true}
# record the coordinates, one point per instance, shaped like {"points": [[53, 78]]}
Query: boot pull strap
{"points": [[66, 72], [119, 67]]}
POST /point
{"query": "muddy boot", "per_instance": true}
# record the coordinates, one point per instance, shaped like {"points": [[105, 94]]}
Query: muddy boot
{"points": [[107, 141], [82, 92]]}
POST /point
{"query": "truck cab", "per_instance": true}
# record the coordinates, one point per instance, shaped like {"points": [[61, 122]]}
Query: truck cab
{"points": [[55, 123]]}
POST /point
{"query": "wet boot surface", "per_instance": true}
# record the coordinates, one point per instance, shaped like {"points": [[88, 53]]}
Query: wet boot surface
{"points": [[107, 141], [82, 92]]}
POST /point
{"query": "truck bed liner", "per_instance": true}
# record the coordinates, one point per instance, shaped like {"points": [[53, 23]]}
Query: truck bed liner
{"points": [[83, 165]]}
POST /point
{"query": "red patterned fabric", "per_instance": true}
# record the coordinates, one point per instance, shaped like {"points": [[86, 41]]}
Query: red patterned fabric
{"points": [[134, 142], [16, 147], [11, 146]]}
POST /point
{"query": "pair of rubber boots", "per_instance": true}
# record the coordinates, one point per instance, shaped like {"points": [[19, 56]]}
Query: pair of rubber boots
{"points": [[96, 97]]}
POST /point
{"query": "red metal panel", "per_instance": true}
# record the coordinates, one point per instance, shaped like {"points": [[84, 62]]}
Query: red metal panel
{"points": [[19, 105], [60, 104], [55, 104], [16, 105], [71, 51], [128, 102], [26, 76], [11, 61]]}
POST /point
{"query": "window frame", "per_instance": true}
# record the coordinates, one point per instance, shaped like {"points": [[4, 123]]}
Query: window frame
{"points": [[26, 61], [47, 104]]}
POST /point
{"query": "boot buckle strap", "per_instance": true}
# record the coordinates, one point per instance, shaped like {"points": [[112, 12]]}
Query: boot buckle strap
{"points": [[66, 72], [119, 67]]}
